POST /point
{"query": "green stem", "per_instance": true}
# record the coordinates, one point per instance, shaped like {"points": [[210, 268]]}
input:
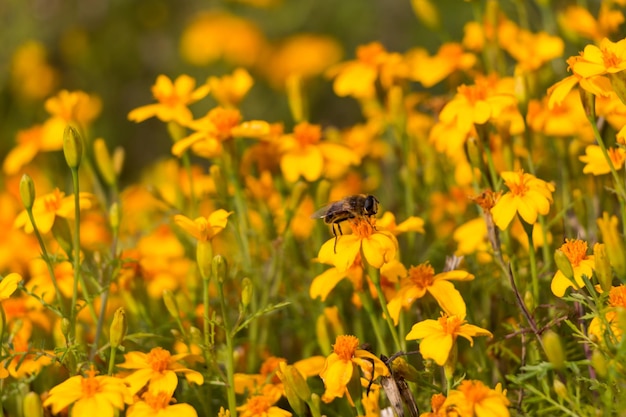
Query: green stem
{"points": [[112, 361], [375, 276], [192, 189], [366, 299], [230, 364], [533, 265]]}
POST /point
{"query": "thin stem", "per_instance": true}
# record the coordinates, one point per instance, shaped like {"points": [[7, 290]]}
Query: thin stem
{"points": [[375, 277], [533, 265], [230, 364], [366, 299]]}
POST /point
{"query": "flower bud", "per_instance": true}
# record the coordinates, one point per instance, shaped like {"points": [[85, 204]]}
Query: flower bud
{"points": [[246, 292], [72, 147], [66, 326], [220, 268], [529, 300], [402, 368], [588, 101], [427, 13], [614, 242], [602, 266], [31, 405], [554, 349], [293, 85], [560, 388], [118, 328], [599, 363], [27, 191], [103, 161], [114, 216], [204, 258], [296, 389], [171, 304], [564, 265], [118, 160]]}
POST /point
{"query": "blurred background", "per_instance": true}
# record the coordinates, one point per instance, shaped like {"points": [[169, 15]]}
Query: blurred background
{"points": [[115, 49]]}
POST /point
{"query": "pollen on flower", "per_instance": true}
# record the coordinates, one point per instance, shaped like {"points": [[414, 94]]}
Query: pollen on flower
{"points": [[575, 250], [159, 358], [52, 201], [345, 346], [363, 227], [422, 275], [472, 93], [159, 401], [258, 405], [450, 324], [307, 134], [617, 296], [474, 391], [224, 119], [90, 384], [519, 187], [369, 53]]}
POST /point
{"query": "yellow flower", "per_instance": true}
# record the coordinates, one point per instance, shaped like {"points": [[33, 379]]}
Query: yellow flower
{"points": [[597, 164], [339, 366], [473, 398], [304, 154], [597, 327], [217, 126], [357, 78], [204, 228], [528, 196], [173, 99], [439, 336], [564, 119], [262, 406], [158, 369], [422, 279], [92, 395], [388, 222], [30, 142], [8, 285], [576, 252], [608, 58], [376, 246], [72, 107], [429, 70], [436, 405], [47, 207], [324, 283], [229, 90], [159, 405]]}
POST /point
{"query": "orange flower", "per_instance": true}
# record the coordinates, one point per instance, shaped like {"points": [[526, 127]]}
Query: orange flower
{"points": [[582, 264], [229, 90], [357, 78], [159, 405], [473, 398], [262, 406], [204, 228], [173, 99]]}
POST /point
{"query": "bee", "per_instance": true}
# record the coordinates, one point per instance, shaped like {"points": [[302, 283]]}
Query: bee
{"points": [[351, 207]]}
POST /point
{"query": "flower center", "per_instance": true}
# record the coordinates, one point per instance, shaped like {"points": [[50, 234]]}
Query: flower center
{"points": [[307, 134], [90, 384], [159, 359], [345, 347], [575, 250], [610, 59], [258, 405], [616, 157], [617, 296], [159, 401], [363, 227], [368, 54], [473, 93], [474, 391], [52, 201], [520, 187], [422, 275], [224, 120], [450, 325]]}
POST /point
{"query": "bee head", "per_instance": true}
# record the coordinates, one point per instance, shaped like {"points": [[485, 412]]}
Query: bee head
{"points": [[371, 205]]}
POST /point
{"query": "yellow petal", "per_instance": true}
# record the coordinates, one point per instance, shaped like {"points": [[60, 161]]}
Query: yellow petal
{"points": [[449, 299], [8, 285], [437, 347], [324, 283]]}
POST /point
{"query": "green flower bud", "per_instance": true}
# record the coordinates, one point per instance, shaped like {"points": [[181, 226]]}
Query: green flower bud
{"points": [[220, 268], [114, 216], [31, 405], [27, 191], [204, 258], [564, 265], [246, 292], [118, 328], [560, 389], [72, 147], [602, 266], [599, 363], [554, 349]]}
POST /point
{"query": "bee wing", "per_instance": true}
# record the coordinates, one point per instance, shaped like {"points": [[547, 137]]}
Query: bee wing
{"points": [[321, 212]]}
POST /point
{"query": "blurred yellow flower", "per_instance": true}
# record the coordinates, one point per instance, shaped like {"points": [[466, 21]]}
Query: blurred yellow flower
{"points": [[159, 404], [582, 264], [357, 78], [472, 398], [430, 70], [262, 406], [422, 279], [439, 336], [173, 100], [229, 90], [8, 285], [528, 196], [596, 163], [47, 207], [388, 222], [97, 396], [158, 369], [376, 246], [578, 19], [25, 360], [566, 118], [204, 228], [597, 326], [607, 58], [32, 77], [340, 365]]}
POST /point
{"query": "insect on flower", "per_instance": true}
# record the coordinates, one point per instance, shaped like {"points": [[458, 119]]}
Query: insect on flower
{"points": [[351, 207]]}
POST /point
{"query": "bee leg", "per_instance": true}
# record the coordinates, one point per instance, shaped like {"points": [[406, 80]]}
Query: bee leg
{"points": [[335, 234], [339, 227]]}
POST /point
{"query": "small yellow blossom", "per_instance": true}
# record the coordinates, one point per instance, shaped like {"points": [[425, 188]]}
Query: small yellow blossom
{"points": [[528, 196], [439, 336], [422, 279], [582, 264], [229, 90], [204, 228], [47, 207], [338, 368], [597, 326], [173, 100], [597, 164], [158, 369], [159, 405], [97, 396], [262, 406], [357, 78], [474, 399]]}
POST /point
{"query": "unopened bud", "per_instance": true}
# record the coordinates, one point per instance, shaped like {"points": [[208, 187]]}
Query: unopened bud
{"points": [[118, 160], [220, 268], [118, 328], [171, 304], [529, 300], [599, 363], [560, 389], [72, 147], [66, 326], [402, 368], [103, 161], [27, 191], [204, 258], [295, 392], [554, 349], [31, 405], [114, 216], [614, 241], [247, 289], [564, 265], [602, 266], [293, 85]]}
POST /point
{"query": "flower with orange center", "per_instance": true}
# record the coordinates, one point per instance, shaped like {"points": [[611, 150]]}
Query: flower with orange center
{"points": [[97, 396], [219, 125], [262, 406], [159, 405], [340, 365], [473, 398], [614, 331], [582, 264], [47, 207], [173, 99], [436, 405], [422, 279], [528, 196], [439, 336], [229, 90], [377, 247], [204, 228], [158, 369], [304, 154], [597, 164]]}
